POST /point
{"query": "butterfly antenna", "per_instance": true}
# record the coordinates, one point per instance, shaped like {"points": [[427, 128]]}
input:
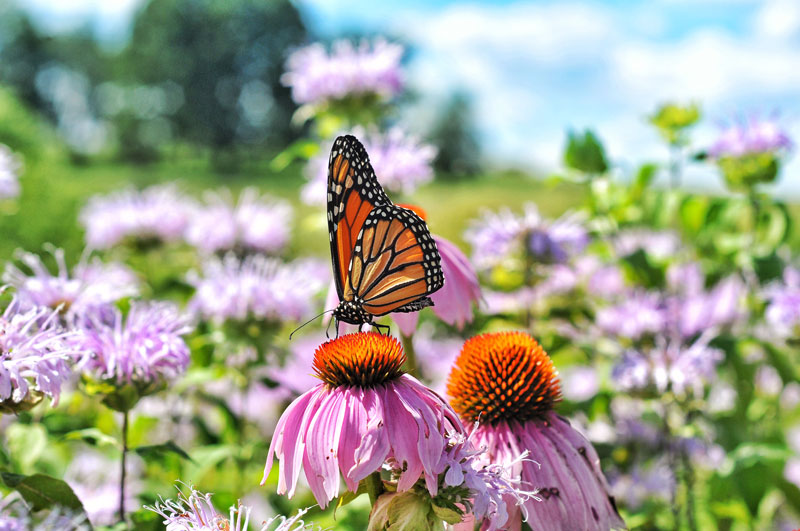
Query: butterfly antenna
{"points": [[307, 322]]}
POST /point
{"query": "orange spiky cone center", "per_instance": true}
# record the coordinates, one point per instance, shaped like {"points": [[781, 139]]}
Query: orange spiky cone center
{"points": [[364, 359], [503, 376]]}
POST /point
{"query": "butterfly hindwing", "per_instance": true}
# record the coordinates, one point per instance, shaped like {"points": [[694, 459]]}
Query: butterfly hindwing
{"points": [[395, 262], [353, 193]]}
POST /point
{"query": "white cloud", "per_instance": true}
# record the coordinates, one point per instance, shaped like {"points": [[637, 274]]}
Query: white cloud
{"points": [[778, 19]]}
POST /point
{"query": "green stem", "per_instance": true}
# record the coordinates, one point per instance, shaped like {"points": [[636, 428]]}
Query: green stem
{"points": [[688, 476], [529, 280], [410, 366], [122, 467], [374, 487]]}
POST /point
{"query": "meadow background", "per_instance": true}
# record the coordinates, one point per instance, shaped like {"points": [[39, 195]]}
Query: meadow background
{"points": [[655, 139]]}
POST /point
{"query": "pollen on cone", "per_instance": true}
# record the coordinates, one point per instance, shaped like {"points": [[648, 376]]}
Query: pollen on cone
{"points": [[503, 376], [364, 359]]}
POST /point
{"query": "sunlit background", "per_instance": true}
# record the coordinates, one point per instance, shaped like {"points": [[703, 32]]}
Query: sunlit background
{"points": [[620, 179]]}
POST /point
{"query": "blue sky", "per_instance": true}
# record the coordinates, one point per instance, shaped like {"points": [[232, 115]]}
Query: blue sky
{"points": [[537, 68]]}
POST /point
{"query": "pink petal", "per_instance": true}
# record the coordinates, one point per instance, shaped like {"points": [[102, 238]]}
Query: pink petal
{"points": [[374, 445], [407, 322], [402, 427], [321, 461]]}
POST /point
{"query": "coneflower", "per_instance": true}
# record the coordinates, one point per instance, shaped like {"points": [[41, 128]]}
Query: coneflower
{"points": [[504, 387], [365, 410]]}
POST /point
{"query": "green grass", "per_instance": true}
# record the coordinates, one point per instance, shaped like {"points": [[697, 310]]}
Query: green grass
{"points": [[54, 191]]}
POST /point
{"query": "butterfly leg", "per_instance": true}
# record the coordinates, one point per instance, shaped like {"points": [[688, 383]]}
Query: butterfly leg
{"points": [[380, 326]]}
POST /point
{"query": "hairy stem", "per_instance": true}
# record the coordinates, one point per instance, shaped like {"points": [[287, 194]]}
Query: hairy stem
{"points": [[410, 366], [122, 467]]}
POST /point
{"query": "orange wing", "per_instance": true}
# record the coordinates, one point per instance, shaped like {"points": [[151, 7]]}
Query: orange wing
{"points": [[353, 192], [395, 263]]}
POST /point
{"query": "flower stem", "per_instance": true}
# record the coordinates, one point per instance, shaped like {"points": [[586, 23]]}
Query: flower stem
{"points": [[688, 476], [410, 365], [122, 467], [374, 486]]}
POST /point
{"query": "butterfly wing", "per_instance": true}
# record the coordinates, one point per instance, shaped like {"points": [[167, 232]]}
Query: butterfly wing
{"points": [[353, 193], [395, 263]]}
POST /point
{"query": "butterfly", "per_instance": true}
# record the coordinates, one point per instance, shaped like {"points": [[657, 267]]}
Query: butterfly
{"points": [[384, 258]]}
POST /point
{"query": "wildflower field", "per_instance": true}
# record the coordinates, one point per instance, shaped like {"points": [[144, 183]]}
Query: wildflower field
{"points": [[605, 347]]}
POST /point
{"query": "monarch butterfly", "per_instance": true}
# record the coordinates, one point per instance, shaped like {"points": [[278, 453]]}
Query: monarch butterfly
{"points": [[384, 258]]}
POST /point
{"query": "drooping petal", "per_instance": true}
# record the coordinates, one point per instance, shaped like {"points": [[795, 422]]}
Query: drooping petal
{"points": [[403, 427], [321, 461], [374, 445]]}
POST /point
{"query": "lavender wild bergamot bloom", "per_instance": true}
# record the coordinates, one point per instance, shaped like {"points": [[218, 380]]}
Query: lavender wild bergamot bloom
{"points": [[255, 287], [159, 213], [750, 152], [90, 284], [255, 223], [194, 511], [496, 237], [35, 356], [364, 411], [144, 349], [317, 77], [401, 162], [507, 386]]}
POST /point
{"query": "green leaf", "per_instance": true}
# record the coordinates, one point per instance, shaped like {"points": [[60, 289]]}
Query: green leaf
{"points": [[92, 436], [302, 149], [146, 520], [43, 492], [447, 514], [409, 511], [349, 496], [585, 153], [158, 451]]}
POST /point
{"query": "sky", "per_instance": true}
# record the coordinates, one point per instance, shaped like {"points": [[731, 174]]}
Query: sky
{"points": [[538, 68]]}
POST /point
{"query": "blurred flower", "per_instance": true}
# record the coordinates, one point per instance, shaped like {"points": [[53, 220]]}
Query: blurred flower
{"points": [[193, 511], [95, 480], [496, 236], [697, 311], [145, 347], [768, 381], [644, 483], [507, 385], [752, 136], [656, 244], [255, 223], [783, 307], [607, 282], [580, 383], [255, 287], [435, 355], [685, 278], [749, 152], [159, 212], [317, 77], [10, 167], [91, 283], [670, 365], [15, 515], [401, 162], [365, 409], [35, 356], [792, 470], [640, 314], [296, 375]]}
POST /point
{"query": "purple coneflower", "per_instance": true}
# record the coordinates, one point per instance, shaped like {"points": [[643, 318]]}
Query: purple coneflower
{"points": [[35, 356], [10, 167], [401, 162], [194, 511], [255, 223], [145, 348], [365, 410], [495, 237], [317, 77], [256, 287], [157, 213], [507, 386], [89, 285]]}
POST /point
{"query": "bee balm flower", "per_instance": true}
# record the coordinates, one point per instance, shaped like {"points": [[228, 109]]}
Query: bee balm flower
{"points": [[365, 410], [507, 386]]}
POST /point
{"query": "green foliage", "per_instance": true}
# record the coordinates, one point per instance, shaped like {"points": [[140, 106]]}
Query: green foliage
{"points": [[43, 492], [744, 173], [673, 122], [585, 153]]}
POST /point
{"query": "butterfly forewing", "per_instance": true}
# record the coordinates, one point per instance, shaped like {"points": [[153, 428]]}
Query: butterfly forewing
{"points": [[353, 192]]}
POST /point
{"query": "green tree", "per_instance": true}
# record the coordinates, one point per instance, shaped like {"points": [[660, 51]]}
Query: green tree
{"points": [[228, 58], [454, 135]]}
